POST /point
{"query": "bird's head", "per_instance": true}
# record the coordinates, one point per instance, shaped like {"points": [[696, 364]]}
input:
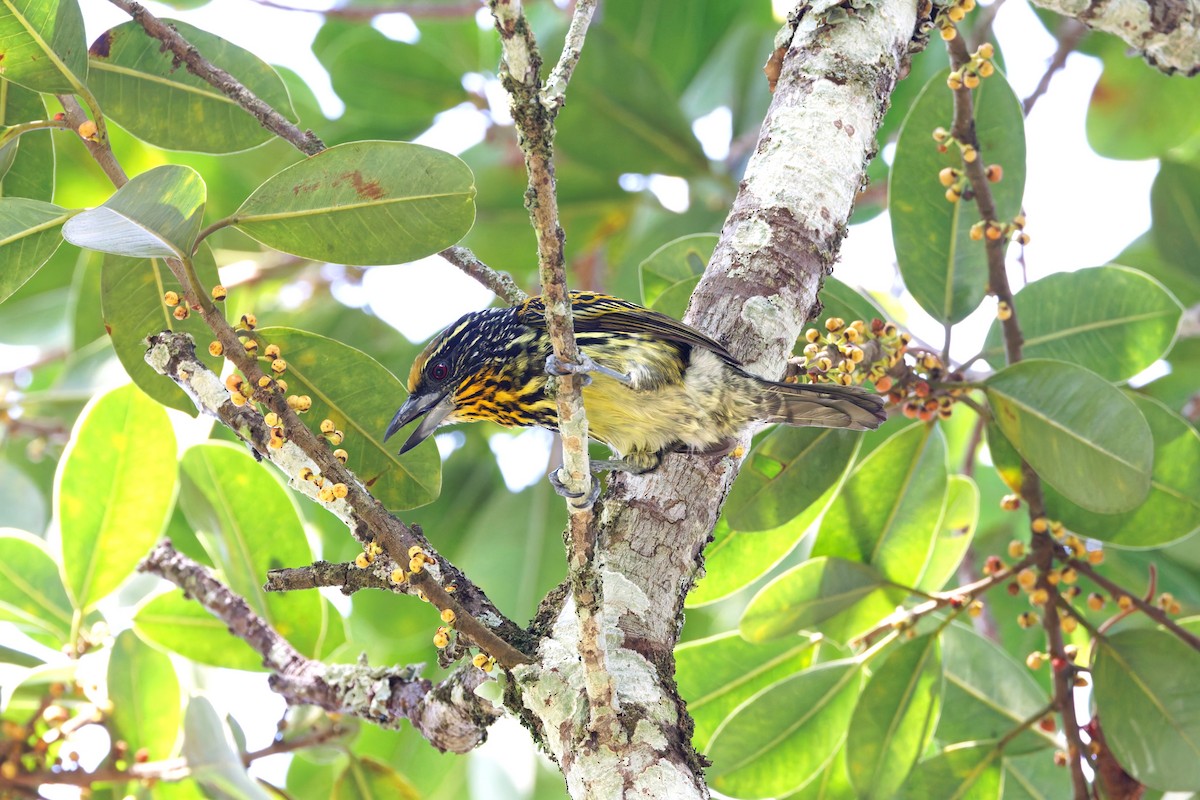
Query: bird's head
{"points": [[457, 375]]}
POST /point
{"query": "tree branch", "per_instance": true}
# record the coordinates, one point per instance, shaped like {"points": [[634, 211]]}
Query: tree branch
{"points": [[347, 577], [501, 283], [449, 719], [305, 141], [1164, 32], [1070, 34], [1145, 606]]}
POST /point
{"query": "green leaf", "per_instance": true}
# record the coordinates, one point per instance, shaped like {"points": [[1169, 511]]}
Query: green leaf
{"points": [[1177, 274], [215, 763], [156, 215], [363, 203], [958, 529], [806, 595], [781, 737], [634, 123], [145, 695], [889, 513], [1135, 112], [894, 720], [1112, 320], [734, 560], [831, 783], [367, 779], [1034, 777], [31, 173], [114, 491], [131, 72], [29, 235], [178, 623], [987, 693], [1171, 511], [839, 300], [1175, 208], [718, 674], [245, 539], [1146, 699], [785, 473], [131, 300], [1175, 389], [22, 504], [670, 273], [361, 397], [946, 271], [1080, 433], [960, 772], [42, 45], [32, 595]]}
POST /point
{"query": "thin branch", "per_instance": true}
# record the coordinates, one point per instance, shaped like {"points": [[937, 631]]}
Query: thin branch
{"points": [[305, 141], [1145, 606], [534, 111], [352, 12], [1070, 34], [450, 720], [347, 577], [501, 283], [100, 149]]}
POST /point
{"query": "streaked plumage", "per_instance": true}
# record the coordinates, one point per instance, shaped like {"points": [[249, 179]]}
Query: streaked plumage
{"points": [[686, 391]]}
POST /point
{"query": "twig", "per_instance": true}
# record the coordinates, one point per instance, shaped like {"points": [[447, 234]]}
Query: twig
{"points": [[101, 148], [449, 720], [534, 111], [1144, 605], [370, 12], [1070, 33], [348, 577], [1043, 546], [501, 283], [305, 141]]}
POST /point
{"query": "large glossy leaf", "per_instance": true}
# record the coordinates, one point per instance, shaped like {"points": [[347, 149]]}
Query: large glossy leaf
{"points": [[214, 761], [807, 595], [946, 271], [245, 540], [144, 691], [960, 772], [29, 235], [987, 693], [1034, 777], [1149, 706], [114, 490], [178, 623], [894, 720], [31, 591], [839, 300], [1175, 206], [785, 473], [367, 779], [781, 737], [1135, 112], [1080, 433], [1170, 512], [131, 72], [670, 273], [954, 537], [131, 300], [718, 674], [831, 783], [31, 170], [361, 397], [634, 123], [364, 203], [890, 510], [1113, 320], [156, 215], [42, 45]]}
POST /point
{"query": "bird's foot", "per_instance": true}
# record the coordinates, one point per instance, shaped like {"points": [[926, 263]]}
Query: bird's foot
{"points": [[563, 491], [585, 367]]}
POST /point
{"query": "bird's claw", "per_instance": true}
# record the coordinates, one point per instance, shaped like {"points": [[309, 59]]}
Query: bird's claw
{"points": [[583, 368], [561, 489]]}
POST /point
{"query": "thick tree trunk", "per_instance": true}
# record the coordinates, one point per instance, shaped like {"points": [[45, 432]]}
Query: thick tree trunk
{"points": [[778, 243]]}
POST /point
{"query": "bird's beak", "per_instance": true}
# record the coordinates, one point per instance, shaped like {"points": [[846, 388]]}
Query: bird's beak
{"points": [[435, 407]]}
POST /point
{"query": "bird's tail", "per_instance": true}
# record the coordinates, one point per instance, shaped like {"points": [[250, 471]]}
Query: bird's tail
{"points": [[822, 405]]}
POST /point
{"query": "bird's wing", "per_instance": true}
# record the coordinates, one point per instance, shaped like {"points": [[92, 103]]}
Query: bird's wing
{"points": [[600, 313]]}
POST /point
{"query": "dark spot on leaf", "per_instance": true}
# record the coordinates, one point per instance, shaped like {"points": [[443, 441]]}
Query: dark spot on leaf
{"points": [[368, 190], [101, 47], [305, 188], [108, 329], [371, 481]]}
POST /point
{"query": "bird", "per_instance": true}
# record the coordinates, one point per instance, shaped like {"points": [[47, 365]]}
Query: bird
{"points": [[656, 385]]}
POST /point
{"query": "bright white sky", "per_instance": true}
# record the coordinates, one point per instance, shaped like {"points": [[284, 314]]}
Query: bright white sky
{"points": [[1082, 211]]}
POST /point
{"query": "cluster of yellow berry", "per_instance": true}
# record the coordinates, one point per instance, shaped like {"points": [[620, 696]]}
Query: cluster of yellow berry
{"points": [[367, 557], [484, 662], [951, 15], [327, 491], [849, 354], [979, 66]]}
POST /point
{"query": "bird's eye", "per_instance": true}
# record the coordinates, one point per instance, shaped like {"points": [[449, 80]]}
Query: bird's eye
{"points": [[439, 371]]}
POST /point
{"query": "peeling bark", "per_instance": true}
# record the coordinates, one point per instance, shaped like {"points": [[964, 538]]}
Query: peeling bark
{"points": [[1164, 32]]}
